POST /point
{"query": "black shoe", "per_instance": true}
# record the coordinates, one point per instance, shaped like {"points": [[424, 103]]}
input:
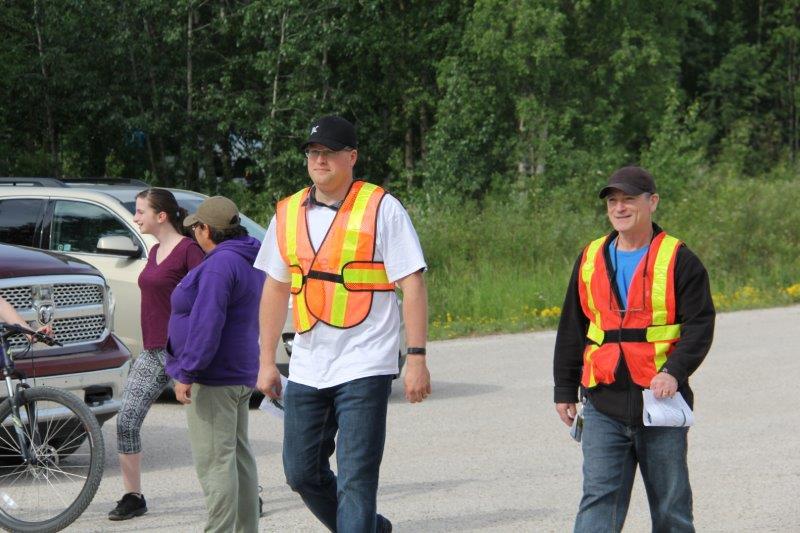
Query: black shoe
{"points": [[129, 506], [385, 526]]}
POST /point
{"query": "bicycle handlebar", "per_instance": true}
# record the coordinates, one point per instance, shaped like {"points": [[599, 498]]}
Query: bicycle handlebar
{"points": [[11, 329]]}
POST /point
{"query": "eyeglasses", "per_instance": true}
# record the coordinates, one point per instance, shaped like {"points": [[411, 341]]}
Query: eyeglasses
{"points": [[316, 154]]}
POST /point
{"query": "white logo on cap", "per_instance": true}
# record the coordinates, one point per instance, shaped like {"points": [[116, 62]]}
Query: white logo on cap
{"points": [[314, 130]]}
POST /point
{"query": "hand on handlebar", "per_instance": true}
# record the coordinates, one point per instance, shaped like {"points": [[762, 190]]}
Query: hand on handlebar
{"points": [[46, 333], [43, 334]]}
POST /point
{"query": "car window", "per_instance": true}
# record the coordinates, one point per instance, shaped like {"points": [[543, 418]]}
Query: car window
{"points": [[18, 220], [77, 226]]}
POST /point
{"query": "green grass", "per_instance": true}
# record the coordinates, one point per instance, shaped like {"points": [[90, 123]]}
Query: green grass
{"points": [[504, 266]]}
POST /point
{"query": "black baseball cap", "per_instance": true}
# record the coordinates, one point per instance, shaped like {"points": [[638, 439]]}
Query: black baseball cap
{"points": [[630, 180], [332, 131]]}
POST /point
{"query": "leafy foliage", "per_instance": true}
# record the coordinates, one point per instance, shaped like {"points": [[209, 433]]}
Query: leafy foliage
{"points": [[497, 120]]}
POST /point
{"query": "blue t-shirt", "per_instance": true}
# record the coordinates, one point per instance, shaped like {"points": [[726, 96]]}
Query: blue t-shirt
{"points": [[625, 263]]}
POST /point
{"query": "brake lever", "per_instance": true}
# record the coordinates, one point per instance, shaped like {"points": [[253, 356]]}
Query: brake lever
{"points": [[41, 337], [46, 339]]}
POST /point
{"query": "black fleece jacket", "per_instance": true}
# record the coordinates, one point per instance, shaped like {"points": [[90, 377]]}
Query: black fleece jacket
{"points": [[622, 399]]}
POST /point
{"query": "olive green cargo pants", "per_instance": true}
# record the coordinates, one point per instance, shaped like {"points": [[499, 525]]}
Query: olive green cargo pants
{"points": [[217, 419]]}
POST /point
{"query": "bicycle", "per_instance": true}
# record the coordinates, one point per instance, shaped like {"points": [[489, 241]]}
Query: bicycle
{"points": [[51, 449]]}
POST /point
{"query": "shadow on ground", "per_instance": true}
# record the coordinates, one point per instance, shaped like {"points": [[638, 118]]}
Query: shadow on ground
{"points": [[446, 390], [503, 519]]}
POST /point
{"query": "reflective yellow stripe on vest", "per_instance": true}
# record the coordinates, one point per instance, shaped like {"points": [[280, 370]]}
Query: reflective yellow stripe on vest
{"points": [[361, 276], [671, 332], [297, 281], [660, 270], [587, 271], [292, 207], [349, 248], [588, 364], [661, 335], [595, 334]]}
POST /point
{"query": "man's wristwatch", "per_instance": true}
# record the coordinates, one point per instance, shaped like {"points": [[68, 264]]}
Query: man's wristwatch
{"points": [[416, 350]]}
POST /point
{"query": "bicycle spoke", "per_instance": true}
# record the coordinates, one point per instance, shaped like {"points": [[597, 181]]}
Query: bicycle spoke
{"points": [[11, 441], [57, 492], [22, 472], [76, 438]]}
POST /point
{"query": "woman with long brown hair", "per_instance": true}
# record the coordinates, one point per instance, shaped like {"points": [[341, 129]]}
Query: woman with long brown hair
{"points": [[157, 213]]}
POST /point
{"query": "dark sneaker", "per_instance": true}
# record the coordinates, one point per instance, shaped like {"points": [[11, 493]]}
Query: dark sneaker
{"points": [[129, 506]]}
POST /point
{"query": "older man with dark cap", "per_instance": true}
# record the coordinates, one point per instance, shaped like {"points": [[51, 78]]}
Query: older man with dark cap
{"points": [[339, 248], [637, 315]]}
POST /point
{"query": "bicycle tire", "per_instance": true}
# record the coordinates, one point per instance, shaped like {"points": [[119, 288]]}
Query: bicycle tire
{"points": [[57, 412]]}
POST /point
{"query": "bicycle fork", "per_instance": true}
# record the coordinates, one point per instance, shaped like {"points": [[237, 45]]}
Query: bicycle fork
{"points": [[14, 396]]}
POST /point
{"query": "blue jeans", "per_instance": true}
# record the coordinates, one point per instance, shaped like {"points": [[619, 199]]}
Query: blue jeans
{"points": [[346, 503], [611, 452]]}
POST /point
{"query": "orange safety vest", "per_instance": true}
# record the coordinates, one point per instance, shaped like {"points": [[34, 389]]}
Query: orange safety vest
{"points": [[645, 332], [334, 284]]}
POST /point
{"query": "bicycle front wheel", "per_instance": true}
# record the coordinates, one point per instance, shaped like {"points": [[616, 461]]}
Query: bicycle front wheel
{"points": [[51, 489]]}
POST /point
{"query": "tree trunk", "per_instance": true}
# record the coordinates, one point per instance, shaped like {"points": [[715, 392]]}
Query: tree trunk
{"points": [[409, 157], [423, 131], [540, 160], [522, 164], [387, 178], [52, 142], [326, 86], [794, 118], [191, 139], [275, 84], [164, 176], [275, 79], [208, 165]]}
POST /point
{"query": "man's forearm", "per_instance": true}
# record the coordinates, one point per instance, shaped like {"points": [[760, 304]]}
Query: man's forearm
{"points": [[272, 317], [415, 309]]}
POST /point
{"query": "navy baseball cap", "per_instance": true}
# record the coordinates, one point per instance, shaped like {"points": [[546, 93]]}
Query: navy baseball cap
{"points": [[630, 180], [332, 131]]}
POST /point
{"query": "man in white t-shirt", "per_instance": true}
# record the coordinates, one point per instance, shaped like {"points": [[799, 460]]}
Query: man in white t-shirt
{"points": [[339, 248]]}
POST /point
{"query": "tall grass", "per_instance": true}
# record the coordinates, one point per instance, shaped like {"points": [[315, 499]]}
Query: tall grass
{"points": [[504, 265]]}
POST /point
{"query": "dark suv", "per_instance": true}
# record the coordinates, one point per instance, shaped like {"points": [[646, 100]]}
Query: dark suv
{"points": [[71, 296]]}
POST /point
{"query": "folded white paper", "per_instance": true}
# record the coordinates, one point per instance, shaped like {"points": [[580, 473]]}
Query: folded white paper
{"points": [[672, 412], [275, 407]]}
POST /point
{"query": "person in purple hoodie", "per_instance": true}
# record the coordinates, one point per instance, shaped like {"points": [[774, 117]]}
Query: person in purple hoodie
{"points": [[212, 354]]}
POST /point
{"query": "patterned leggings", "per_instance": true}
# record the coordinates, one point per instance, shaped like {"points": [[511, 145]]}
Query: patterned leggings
{"points": [[146, 380]]}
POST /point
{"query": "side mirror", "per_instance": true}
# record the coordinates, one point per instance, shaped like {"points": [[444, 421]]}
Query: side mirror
{"points": [[118, 245]]}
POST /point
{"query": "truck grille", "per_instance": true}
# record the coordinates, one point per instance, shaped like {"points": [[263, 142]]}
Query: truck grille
{"points": [[67, 294], [78, 306], [18, 297], [79, 329]]}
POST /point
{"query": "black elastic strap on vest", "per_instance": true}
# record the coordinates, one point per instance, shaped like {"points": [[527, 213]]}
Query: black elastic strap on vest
{"points": [[324, 276], [625, 335]]}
